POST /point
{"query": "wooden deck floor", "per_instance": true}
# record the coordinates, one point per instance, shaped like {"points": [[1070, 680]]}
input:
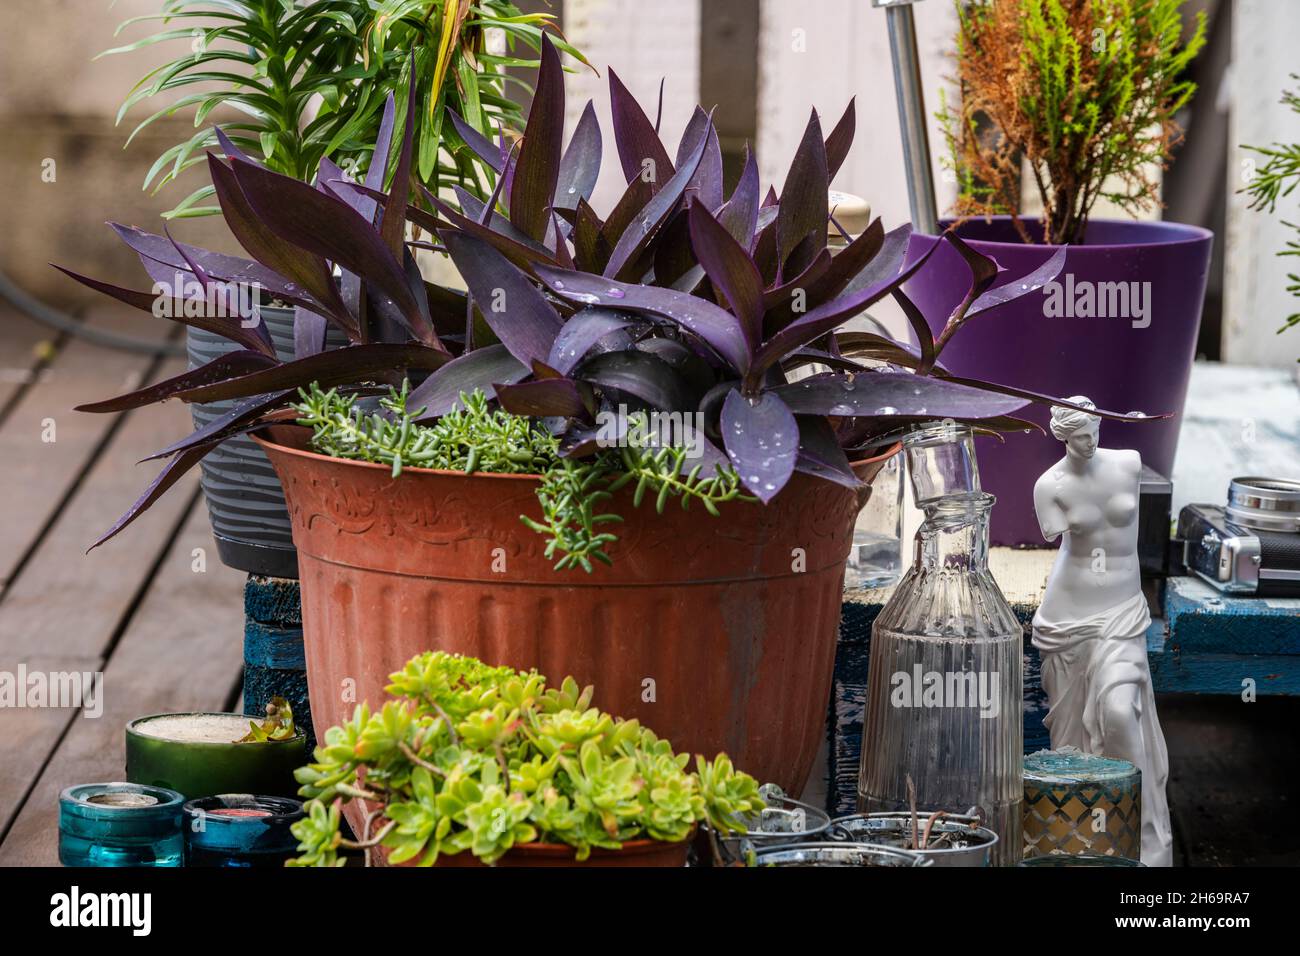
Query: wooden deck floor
{"points": [[153, 610]]}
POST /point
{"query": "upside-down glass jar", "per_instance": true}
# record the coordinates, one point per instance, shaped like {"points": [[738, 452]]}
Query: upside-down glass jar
{"points": [[943, 710]]}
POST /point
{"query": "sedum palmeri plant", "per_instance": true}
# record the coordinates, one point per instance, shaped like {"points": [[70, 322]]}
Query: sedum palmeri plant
{"points": [[308, 79], [475, 438], [1277, 179], [480, 759], [1084, 92]]}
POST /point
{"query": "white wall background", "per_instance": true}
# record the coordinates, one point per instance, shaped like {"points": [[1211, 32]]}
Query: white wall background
{"points": [[645, 41], [1255, 298]]}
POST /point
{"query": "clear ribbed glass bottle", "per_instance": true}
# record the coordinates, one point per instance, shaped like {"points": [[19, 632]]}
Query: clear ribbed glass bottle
{"points": [[945, 682]]}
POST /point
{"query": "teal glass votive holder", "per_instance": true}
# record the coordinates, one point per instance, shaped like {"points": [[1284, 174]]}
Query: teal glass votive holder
{"points": [[120, 824], [240, 830], [197, 755]]}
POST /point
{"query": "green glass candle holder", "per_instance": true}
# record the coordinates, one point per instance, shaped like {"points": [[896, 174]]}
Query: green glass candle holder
{"points": [[197, 755]]}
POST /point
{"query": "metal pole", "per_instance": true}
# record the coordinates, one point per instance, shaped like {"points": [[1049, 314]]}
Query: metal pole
{"points": [[911, 114]]}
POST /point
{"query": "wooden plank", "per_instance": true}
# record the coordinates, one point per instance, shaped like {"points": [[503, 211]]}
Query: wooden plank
{"points": [[33, 621], [65, 608], [1204, 619], [24, 345], [36, 473], [182, 652]]}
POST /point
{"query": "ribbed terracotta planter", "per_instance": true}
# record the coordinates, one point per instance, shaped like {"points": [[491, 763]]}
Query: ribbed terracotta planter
{"points": [[718, 633]]}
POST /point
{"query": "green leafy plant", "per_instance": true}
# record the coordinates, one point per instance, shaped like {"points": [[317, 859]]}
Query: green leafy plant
{"points": [[310, 78], [1083, 91], [1277, 179], [278, 724], [469, 757], [473, 437]]}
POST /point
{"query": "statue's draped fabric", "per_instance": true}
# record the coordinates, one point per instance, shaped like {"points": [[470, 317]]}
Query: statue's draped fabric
{"points": [[1083, 662]]}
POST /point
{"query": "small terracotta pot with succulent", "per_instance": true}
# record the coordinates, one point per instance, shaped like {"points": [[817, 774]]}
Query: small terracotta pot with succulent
{"points": [[470, 764]]}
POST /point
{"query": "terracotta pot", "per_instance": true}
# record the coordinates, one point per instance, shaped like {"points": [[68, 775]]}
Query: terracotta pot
{"points": [[634, 853], [702, 630]]}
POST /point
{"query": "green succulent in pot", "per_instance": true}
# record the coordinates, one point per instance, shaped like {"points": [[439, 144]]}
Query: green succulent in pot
{"points": [[486, 760]]}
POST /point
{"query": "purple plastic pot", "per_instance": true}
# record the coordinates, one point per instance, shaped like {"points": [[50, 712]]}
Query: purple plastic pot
{"points": [[1148, 278]]}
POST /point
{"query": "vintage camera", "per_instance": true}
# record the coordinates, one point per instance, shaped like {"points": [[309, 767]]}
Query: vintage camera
{"points": [[1250, 547]]}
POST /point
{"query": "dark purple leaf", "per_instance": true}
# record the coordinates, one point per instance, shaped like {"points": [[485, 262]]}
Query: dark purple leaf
{"points": [[920, 329], [232, 364], [740, 214], [562, 254], [885, 393], [1015, 288], [580, 334], [171, 473], [580, 165], [880, 347], [826, 317], [820, 357], [521, 253], [176, 309], [850, 262], [766, 255], [218, 265], [637, 142], [481, 369], [646, 376], [820, 453], [1042, 399], [673, 256], [886, 263], [355, 363], [559, 397], [707, 181], [715, 325], [392, 227], [229, 149], [332, 229], [298, 265], [590, 250], [983, 271], [638, 193], [803, 209], [517, 312], [532, 187], [651, 216], [779, 297], [731, 270], [482, 213], [762, 440], [839, 141], [479, 145], [237, 420]]}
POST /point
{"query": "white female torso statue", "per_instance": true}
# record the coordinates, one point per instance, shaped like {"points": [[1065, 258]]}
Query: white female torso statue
{"points": [[1091, 626]]}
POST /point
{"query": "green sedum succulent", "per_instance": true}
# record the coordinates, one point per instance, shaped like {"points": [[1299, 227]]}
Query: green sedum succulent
{"points": [[470, 757]]}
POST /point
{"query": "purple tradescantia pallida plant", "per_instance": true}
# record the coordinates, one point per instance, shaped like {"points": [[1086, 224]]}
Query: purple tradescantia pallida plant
{"points": [[339, 257], [682, 299], [686, 300]]}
